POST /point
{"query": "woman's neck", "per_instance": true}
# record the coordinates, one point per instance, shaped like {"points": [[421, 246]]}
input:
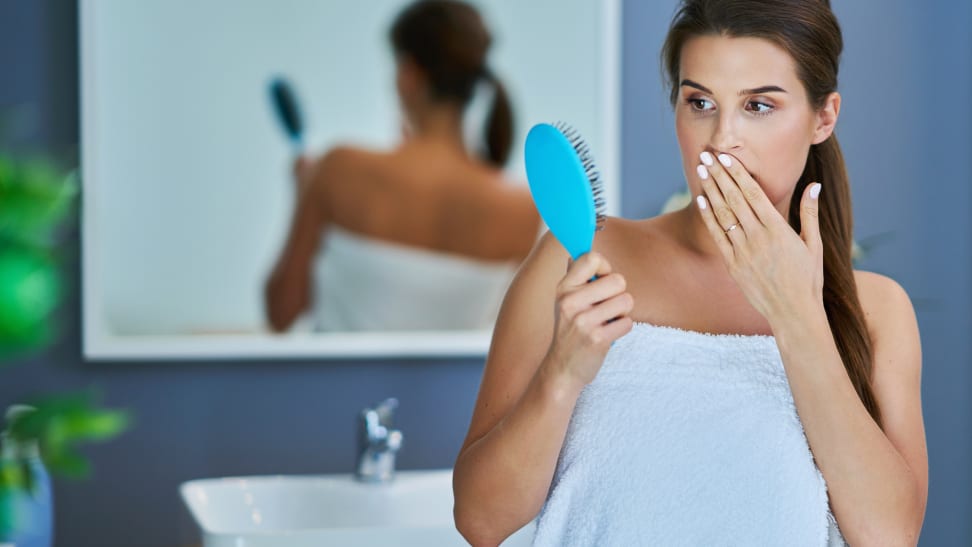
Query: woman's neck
{"points": [[694, 234], [439, 124]]}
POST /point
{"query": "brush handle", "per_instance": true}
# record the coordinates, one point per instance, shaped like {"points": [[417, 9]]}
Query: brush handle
{"points": [[287, 110]]}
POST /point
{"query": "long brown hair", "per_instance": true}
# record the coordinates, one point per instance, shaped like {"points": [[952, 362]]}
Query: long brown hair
{"points": [[448, 40], [809, 31]]}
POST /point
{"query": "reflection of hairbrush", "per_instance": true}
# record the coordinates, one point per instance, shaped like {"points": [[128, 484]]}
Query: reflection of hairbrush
{"points": [[565, 184], [284, 102]]}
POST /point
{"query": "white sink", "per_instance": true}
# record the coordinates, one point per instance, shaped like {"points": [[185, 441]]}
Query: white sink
{"points": [[297, 511]]}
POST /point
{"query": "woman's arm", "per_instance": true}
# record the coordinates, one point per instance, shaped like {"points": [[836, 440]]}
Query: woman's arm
{"points": [[878, 480], [287, 292], [549, 342]]}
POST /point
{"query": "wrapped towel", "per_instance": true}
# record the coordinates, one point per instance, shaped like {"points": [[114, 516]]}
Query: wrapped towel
{"points": [[687, 438]]}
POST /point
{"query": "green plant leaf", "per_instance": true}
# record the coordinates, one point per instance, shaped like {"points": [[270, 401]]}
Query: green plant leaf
{"points": [[94, 425], [12, 475], [59, 423], [35, 198], [30, 288], [66, 462]]}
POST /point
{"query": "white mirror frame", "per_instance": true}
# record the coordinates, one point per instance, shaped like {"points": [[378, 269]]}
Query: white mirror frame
{"points": [[100, 344]]}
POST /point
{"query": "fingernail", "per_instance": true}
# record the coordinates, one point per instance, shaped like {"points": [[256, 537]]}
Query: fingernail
{"points": [[706, 158], [702, 171], [725, 160], [815, 190], [701, 201]]}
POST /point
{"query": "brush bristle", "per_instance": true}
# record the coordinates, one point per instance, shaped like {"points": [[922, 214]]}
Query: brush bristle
{"points": [[590, 169]]}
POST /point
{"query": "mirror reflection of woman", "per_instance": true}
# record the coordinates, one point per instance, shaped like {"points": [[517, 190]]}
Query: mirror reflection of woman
{"points": [[424, 236], [728, 378]]}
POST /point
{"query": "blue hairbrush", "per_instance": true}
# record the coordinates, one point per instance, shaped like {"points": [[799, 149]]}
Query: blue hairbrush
{"points": [[565, 184]]}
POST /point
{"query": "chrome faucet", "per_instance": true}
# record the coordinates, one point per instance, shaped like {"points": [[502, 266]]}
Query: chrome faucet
{"points": [[378, 443]]}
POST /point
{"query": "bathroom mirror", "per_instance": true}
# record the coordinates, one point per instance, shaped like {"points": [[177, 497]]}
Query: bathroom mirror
{"points": [[187, 175]]}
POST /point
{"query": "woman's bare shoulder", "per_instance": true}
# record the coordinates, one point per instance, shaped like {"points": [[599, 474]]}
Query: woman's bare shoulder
{"points": [[345, 167], [348, 158], [881, 297], [888, 311], [614, 239], [623, 240]]}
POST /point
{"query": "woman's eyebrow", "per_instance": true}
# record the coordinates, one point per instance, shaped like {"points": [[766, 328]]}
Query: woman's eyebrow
{"points": [[754, 91], [696, 85], [763, 89]]}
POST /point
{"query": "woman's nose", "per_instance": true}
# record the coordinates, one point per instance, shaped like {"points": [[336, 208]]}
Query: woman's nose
{"points": [[725, 137]]}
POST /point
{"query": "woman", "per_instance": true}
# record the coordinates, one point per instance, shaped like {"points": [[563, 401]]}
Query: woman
{"points": [[728, 378], [428, 222]]}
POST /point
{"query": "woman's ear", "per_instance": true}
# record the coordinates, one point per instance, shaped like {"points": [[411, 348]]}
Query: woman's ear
{"points": [[407, 76], [827, 118]]}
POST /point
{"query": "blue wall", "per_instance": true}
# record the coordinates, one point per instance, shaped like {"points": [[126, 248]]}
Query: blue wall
{"points": [[906, 129]]}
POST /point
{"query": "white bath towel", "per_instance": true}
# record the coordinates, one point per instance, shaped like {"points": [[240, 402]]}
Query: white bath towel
{"points": [[363, 283], [687, 438]]}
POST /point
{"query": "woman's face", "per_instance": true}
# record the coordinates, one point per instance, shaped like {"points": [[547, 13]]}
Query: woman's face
{"points": [[741, 96]]}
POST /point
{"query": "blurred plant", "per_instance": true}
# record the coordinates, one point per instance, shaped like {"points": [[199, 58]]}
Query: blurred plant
{"points": [[56, 424], [860, 249], [35, 201]]}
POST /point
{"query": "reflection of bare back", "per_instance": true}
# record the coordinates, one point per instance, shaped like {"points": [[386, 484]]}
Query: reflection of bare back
{"points": [[425, 196]]}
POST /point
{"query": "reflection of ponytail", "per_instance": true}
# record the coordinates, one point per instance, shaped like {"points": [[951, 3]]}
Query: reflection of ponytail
{"points": [[499, 126], [448, 40]]}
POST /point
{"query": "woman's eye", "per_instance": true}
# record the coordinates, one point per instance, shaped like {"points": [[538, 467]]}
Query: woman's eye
{"points": [[700, 105], [759, 108]]}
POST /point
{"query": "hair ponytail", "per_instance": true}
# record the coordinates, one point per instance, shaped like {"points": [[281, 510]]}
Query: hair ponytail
{"points": [[825, 165], [499, 125]]}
